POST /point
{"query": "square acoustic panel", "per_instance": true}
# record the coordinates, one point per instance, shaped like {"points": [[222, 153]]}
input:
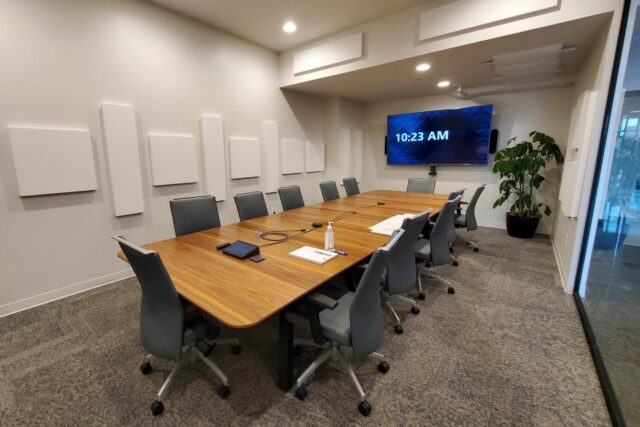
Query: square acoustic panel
{"points": [[314, 156], [174, 159], [292, 156], [246, 157], [52, 161]]}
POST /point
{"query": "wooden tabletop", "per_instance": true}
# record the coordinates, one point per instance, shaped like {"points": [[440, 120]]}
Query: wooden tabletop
{"points": [[243, 293]]}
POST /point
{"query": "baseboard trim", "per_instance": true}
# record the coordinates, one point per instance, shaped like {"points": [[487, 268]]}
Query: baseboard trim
{"points": [[561, 269], [492, 224], [56, 294]]}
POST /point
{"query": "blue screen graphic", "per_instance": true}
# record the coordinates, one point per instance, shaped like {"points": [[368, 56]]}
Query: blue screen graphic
{"points": [[442, 137]]}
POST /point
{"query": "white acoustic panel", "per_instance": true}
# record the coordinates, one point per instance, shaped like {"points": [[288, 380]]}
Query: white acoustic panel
{"points": [[213, 158], [467, 15], [327, 54], [580, 136], [357, 153], [271, 144], [292, 156], [314, 156], [345, 153], [246, 157], [51, 161], [120, 135], [174, 159]]}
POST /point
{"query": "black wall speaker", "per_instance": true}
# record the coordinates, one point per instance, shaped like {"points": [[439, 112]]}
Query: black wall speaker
{"points": [[493, 141]]}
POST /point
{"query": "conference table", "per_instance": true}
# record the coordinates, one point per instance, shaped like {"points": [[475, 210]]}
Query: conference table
{"points": [[242, 293]]}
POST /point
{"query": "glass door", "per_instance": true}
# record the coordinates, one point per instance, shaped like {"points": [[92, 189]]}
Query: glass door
{"points": [[609, 283]]}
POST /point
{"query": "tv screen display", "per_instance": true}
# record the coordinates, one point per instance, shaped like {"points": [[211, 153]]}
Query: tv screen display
{"points": [[441, 137]]}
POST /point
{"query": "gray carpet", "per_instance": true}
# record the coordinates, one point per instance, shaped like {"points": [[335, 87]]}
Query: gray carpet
{"points": [[506, 349]]}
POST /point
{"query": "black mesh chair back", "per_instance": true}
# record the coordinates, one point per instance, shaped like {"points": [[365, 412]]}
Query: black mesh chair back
{"points": [[329, 191], [251, 205], [351, 186], [421, 185], [365, 314], [193, 214], [291, 197], [161, 310]]}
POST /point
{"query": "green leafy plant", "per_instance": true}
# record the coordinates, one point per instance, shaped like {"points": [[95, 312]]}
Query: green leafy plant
{"points": [[519, 166]]}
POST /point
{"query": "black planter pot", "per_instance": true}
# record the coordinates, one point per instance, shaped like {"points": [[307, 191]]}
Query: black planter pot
{"points": [[522, 226]]}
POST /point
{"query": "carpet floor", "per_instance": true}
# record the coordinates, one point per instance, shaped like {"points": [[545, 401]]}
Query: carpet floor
{"points": [[507, 349]]}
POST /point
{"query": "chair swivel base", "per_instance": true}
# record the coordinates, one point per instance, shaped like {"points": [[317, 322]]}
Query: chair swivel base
{"points": [[432, 275]]}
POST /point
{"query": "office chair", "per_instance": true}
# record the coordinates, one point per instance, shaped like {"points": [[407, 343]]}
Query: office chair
{"points": [[193, 214], [452, 234], [353, 321], [435, 250], [329, 191], [351, 186], [402, 273], [421, 185], [291, 197], [170, 327], [468, 219], [251, 205]]}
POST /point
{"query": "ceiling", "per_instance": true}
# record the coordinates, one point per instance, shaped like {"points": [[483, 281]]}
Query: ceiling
{"points": [[260, 21], [466, 65]]}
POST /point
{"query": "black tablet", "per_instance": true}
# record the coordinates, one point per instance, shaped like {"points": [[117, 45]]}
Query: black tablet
{"points": [[242, 250]]}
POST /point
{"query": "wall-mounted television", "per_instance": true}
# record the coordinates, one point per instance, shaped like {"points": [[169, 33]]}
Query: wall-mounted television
{"points": [[440, 137]]}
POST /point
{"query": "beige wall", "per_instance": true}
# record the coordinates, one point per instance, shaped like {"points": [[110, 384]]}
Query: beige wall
{"points": [[515, 114], [60, 60]]}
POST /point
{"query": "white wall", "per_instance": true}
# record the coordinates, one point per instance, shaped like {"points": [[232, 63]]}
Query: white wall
{"points": [[515, 114], [595, 75], [61, 60]]}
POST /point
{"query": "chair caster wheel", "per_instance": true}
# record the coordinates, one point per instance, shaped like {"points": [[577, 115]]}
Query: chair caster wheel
{"points": [[415, 310], [300, 393], [146, 368], [236, 349], [398, 329], [157, 408], [450, 290], [422, 296], [365, 408], [455, 263], [476, 249], [223, 391], [297, 350], [450, 249], [383, 367]]}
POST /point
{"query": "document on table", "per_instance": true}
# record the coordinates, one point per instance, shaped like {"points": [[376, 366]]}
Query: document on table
{"points": [[389, 225], [312, 254]]}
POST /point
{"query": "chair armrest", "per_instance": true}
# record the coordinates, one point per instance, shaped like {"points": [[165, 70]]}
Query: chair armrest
{"points": [[322, 301], [464, 203]]}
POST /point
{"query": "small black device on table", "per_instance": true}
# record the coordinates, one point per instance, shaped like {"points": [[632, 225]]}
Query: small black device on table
{"points": [[240, 249]]}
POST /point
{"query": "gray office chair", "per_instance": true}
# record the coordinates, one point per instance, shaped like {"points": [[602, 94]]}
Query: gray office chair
{"points": [[435, 250], [329, 191], [451, 233], [291, 197], [251, 205], [193, 214], [468, 219], [170, 327], [353, 321], [351, 186], [402, 275], [421, 185]]}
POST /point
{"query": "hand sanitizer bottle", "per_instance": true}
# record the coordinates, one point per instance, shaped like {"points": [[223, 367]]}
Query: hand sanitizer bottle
{"points": [[328, 238]]}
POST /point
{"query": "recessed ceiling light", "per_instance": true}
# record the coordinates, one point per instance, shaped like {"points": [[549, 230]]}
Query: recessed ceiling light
{"points": [[423, 67], [444, 83], [289, 27]]}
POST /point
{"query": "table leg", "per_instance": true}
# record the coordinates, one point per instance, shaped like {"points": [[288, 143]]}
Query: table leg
{"points": [[285, 353]]}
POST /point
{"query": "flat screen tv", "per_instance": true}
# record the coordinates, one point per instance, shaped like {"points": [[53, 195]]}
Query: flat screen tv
{"points": [[440, 137]]}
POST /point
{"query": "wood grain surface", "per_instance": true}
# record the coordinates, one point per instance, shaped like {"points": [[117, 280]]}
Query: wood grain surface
{"points": [[243, 293]]}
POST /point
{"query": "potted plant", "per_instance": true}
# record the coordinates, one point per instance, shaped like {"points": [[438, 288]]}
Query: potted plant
{"points": [[519, 165]]}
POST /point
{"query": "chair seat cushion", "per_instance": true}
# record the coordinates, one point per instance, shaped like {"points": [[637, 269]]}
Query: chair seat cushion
{"points": [[423, 249], [335, 323], [461, 221]]}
